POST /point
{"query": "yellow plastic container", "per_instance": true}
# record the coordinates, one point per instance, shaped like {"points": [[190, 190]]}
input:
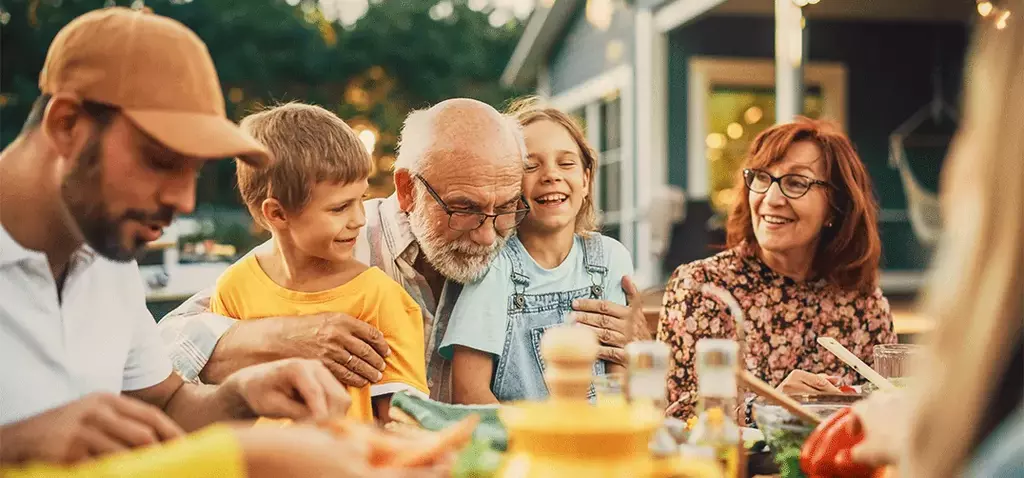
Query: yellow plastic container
{"points": [[568, 437]]}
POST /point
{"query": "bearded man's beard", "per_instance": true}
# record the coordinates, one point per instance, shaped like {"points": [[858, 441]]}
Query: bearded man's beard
{"points": [[82, 192], [462, 261]]}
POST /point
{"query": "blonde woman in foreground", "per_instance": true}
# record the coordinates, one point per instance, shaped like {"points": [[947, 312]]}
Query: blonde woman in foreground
{"points": [[964, 418]]}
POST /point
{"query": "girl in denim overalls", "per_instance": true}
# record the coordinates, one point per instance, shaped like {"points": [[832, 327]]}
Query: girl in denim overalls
{"points": [[493, 336]]}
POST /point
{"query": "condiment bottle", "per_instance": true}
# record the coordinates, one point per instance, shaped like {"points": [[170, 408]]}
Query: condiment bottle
{"points": [[716, 430]]}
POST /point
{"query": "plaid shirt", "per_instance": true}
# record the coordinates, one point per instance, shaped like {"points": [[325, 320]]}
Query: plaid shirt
{"points": [[191, 331]]}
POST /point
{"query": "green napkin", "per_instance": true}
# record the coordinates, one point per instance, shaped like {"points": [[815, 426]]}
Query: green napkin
{"points": [[436, 416]]}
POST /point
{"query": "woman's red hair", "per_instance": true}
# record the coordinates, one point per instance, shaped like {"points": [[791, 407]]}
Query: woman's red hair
{"points": [[848, 252]]}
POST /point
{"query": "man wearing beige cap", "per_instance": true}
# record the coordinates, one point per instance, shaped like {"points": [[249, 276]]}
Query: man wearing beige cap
{"points": [[130, 110]]}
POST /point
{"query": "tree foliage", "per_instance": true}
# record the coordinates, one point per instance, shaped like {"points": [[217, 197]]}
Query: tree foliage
{"points": [[394, 59]]}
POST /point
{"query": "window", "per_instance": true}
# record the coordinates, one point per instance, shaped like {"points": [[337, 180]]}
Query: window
{"points": [[607, 141], [580, 115], [609, 174], [731, 100], [603, 106], [735, 117]]}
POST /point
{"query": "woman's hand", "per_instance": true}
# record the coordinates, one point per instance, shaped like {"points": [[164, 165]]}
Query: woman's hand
{"points": [[801, 382], [884, 418], [827, 452]]}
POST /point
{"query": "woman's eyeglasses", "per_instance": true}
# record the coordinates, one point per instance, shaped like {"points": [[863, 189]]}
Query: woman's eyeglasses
{"points": [[471, 220], [793, 186]]}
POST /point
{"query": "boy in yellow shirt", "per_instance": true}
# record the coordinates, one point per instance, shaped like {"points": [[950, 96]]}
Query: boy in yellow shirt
{"points": [[310, 199]]}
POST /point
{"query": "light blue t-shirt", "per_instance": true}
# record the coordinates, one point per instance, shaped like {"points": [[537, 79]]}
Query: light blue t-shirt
{"points": [[480, 317]]}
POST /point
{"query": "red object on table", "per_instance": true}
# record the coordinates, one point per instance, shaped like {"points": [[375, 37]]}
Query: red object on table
{"points": [[847, 389], [826, 453]]}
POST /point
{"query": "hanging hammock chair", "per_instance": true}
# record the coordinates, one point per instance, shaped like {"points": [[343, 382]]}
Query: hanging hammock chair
{"points": [[922, 204]]}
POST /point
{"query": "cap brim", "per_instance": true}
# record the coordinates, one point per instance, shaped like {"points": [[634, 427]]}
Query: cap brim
{"points": [[199, 135]]}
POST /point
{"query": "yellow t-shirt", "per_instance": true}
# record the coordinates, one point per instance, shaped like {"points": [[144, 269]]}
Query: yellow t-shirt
{"points": [[211, 453], [245, 291]]}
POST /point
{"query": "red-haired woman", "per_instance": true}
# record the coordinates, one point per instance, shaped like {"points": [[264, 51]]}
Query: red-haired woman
{"points": [[802, 261]]}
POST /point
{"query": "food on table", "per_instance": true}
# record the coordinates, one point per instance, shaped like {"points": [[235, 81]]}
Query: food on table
{"points": [[452, 438], [847, 389], [786, 446], [785, 433], [422, 412], [478, 460], [826, 453], [405, 447]]}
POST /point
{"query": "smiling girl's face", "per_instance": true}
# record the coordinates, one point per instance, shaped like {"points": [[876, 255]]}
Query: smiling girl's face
{"points": [[556, 183]]}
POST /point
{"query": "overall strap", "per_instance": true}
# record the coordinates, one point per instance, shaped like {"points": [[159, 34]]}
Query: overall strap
{"points": [[594, 260], [520, 281]]}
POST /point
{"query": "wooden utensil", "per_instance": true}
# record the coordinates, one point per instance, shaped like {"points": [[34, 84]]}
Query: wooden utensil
{"points": [[762, 389], [852, 360]]}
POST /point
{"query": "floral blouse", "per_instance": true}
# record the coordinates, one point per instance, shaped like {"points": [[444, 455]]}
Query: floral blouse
{"points": [[784, 318]]}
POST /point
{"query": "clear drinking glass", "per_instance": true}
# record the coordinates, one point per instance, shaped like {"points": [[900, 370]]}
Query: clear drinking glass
{"points": [[894, 361]]}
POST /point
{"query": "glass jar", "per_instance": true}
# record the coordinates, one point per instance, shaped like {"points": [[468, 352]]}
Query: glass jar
{"points": [[894, 361]]}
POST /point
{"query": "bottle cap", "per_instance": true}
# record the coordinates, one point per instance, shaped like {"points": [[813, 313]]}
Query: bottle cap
{"points": [[647, 355], [716, 364]]}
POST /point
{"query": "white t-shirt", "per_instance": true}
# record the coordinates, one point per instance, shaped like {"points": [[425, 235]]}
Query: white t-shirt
{"points": [[98, 337]]}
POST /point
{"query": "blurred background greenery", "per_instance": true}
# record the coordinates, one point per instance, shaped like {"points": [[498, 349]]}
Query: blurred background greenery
{"points": [[371, 62]]}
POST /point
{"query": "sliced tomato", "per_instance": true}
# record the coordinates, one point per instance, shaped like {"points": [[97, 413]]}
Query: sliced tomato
{"points": [[847, 389]]}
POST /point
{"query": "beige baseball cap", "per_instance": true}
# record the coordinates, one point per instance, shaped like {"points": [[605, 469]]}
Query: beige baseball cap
{"points": [[157, 72]]}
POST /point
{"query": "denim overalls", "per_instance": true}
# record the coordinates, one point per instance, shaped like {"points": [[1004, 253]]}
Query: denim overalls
{"points": [[519, 373]]}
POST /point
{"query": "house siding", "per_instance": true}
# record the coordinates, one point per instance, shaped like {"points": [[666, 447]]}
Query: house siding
{"points": [[582, 52]]}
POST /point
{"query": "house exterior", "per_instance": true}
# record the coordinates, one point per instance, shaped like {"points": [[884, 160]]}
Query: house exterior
{"points": [[672, 91]]}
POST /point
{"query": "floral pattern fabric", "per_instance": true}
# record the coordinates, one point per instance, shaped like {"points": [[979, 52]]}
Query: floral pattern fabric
{"points": [[783, 319]]}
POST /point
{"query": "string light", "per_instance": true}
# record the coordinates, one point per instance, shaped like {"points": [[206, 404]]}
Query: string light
{"points": [[1001, 21], [599, 13], [984, 8], [989, 10]]}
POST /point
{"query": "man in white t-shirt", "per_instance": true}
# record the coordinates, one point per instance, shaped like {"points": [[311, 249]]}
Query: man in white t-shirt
{"points": [[131, 109]]}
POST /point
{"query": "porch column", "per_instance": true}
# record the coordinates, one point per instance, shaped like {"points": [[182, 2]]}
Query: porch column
{"points": [[651, 58], [789, 60]]}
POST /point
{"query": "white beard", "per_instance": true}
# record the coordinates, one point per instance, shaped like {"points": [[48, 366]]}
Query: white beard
{"points": [[463, 261]]}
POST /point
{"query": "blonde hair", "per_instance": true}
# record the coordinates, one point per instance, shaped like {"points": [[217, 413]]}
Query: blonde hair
{"points": [[976, 288], [309, 145], [530, 110]]}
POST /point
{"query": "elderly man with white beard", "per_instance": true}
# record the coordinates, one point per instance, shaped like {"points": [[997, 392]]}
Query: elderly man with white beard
{"points": [[459, 171]]}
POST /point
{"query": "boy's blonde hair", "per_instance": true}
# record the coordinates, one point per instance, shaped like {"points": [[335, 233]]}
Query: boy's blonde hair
{"points": [[308, 145], [530, 110]]}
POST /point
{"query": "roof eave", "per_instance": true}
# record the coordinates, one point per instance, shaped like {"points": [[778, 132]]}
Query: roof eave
{"points": [[542, 31]]}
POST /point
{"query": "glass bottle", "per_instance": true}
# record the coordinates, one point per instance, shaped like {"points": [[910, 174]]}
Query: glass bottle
{"points": [[716, 429], [647, 366]]}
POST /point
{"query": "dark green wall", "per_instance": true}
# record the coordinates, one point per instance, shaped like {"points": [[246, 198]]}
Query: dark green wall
{"points": [[890, 67]]}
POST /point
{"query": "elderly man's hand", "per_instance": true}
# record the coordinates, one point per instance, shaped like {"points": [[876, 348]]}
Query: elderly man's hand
{"points": [[291, 388], [351, 349], [95, 425], [615, 325]]}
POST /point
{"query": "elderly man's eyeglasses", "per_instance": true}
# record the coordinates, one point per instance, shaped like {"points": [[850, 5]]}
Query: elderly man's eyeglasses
{"points": [[793, 186], [471, 220]]}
